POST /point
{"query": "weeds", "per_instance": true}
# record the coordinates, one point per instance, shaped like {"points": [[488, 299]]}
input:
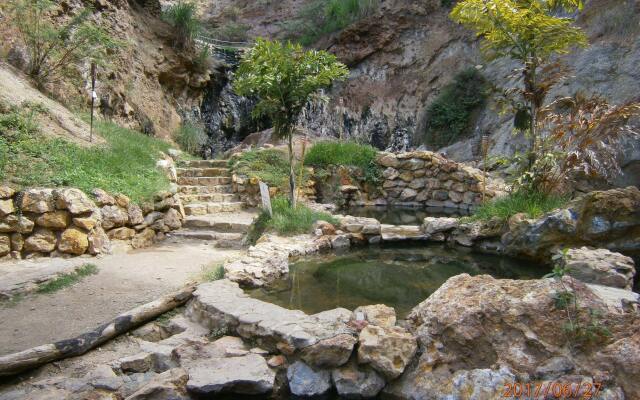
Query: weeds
{"points": [[324, 154], [271, 166], [191, 137], [533, 205], [65, 280], [212, 273], [290, 221]]}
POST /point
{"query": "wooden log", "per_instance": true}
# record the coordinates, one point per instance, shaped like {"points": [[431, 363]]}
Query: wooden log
{"points": [[12, 364]]}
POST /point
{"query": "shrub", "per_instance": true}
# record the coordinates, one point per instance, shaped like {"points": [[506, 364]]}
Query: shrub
{"points": [[287, 220], [271, 166], [324, 154], [212, 273], [232, 31], [126, 164], [533, 204], [55, 46], [182, 16], [191, 137], [449, 116]]}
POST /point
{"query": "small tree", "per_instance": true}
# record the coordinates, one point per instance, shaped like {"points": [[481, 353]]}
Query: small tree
{"points": [[529, 32], [55, 47], [285, 77], [182, 16]]}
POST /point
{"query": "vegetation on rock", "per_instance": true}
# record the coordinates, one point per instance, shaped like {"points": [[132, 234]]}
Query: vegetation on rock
{"points": [[532, 204], [56, 48], [285, 77], [182, 16], [271, 166], [287, 220], [352, 154], [450, 114], [127, 164]]}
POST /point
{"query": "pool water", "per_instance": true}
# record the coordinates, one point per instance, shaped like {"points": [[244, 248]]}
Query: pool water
{"points": [[403, 215], [400, 276]]}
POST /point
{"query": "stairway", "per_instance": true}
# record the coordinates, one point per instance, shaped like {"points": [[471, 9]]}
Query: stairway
{"points": [[214, 212]]}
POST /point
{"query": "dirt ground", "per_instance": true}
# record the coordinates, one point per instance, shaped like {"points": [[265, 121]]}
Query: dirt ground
{"points": [[124, 281]]}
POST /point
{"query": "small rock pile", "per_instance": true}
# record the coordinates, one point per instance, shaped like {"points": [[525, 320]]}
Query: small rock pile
{"points": [[66, 222]]}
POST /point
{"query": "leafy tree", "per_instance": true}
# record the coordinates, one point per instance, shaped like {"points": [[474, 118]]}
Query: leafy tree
{"points": [[182, 16], [55, 47], [285, 77], [528, 31]]}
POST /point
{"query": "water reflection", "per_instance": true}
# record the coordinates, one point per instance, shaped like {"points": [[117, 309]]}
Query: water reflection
{"points": [[403, 215], [400, 276]]}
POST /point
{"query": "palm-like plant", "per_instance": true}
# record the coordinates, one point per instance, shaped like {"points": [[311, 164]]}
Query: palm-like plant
{"points": [[183, 17]]}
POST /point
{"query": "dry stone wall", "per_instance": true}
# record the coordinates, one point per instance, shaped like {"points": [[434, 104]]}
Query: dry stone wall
{"points": [[66, 222]]}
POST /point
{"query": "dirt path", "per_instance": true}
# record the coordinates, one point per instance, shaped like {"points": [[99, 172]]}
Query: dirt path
{"points": [[124, 281]]}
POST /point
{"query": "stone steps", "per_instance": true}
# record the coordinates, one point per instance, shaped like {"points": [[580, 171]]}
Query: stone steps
{"points": [[204, 181], [203, 172], [213, 208], [205, 164], [209, 198], [237, 222], [201, 189]]}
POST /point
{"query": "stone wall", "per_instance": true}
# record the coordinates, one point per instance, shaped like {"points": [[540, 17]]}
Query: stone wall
{"points": [[249, 190], [66, 222]]}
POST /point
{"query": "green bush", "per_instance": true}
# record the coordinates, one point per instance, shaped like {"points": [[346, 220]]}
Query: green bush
{"points": [[450, 115], [126, 164], [323, 154], [323, 17], [271, 166], [232, 31], [290, 221], [532, 204], [182, 16], [191, 138]]}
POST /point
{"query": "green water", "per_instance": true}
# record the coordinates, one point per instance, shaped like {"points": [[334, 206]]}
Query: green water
{"points": [[402, 215], [399, 276]]}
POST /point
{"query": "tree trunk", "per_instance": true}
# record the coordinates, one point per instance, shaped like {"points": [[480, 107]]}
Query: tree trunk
{"points": [[12, 364], [292, 174], [531, 97]]}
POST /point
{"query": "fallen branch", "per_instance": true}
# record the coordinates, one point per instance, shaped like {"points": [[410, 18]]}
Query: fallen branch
{"points": [[12, 364]]}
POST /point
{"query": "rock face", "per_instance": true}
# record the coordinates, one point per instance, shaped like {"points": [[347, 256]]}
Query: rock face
{"points": [[306, 382], [471, 325], [600, 266], [387, 349]]}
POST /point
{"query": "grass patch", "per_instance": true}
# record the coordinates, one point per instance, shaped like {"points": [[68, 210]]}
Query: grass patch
{"points": [[164, 319], [191, 137], [212, 273], [66, 280], [125, 164], [534, 205], [323, 154], [290, 221], [271, 166], [451, 113]]}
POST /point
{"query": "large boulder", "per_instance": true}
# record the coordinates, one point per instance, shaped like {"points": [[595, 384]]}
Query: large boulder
{"points": [[73, 200], [387, 349], [482, 323], [16, 223], [113, 217], [36, 200], [304, 381], [5, 244], [378, 314], [600, 266], [41, 241], [6, 207], [169, 385], [103, 198], [54, 220], [99, 242], [331, 352]]}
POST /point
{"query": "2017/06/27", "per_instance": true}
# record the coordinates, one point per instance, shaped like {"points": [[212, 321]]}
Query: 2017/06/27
{"points": [[558, 390]]}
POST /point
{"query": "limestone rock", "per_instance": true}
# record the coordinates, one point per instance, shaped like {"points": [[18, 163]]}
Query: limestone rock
{"points": [[74, 200], [121, 233], [103, 198], [98, 242], [357, 382], [113, 217], [6, 207], [379, 314], [73, 241], [408, 194], [6, 192], [401, 232], [340, 242], [143, 239], [15, 223], [387, 349], [103, 377], [600, 266], [42, 241], [122, 201], [388, 160], [172, 219], [325, 227], [87, 223], [306, 382], [390, 173], [54, 220], [433, 225], [135, 214], [17, 242], [248, 375], [169, 385], [36, 200], [5, 244], [141, 362], [331, 352]]}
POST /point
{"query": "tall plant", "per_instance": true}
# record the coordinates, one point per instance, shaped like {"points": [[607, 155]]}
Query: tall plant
{"points": [[285, 77], [54, 47], [183, 17], [530, 32]]}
